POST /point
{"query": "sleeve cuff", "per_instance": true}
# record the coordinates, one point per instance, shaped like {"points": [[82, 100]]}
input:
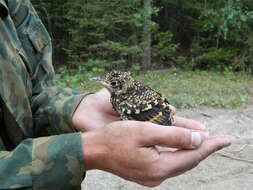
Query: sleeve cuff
{"points": [[76, 106], [56, 108], [65, 111]]}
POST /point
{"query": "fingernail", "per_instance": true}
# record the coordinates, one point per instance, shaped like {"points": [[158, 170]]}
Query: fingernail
{"points": [[196, 139]]}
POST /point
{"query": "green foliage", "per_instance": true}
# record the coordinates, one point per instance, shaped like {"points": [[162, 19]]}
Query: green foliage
{"points": [[136, 67], [105, 31], [95, 66], [230, 25], [186, 89], [102, 35], [164, 48], [183, 89], [215, 58], [245, 62], [227, 20]]}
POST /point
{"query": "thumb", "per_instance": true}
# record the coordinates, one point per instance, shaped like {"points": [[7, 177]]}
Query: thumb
{"points": [[173, 137]]}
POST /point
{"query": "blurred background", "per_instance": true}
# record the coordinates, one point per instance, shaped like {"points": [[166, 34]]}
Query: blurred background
{"points": [[197, 52]]}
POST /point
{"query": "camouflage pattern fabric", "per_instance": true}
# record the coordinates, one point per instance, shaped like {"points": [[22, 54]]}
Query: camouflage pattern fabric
{"points": [[33, 107]]}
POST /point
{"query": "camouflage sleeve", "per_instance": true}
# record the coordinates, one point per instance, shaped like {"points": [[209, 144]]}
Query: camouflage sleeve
{"points": [[53, 110], [52, 106], [54, 162]]}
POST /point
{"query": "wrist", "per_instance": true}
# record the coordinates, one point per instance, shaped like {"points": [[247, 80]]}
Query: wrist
{"points": [[82, 110], [94, 150]]}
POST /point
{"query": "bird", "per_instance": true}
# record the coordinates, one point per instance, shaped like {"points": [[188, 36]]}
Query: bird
{"points": [[133, 100]]}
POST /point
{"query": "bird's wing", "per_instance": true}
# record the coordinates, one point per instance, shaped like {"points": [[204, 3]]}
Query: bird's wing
{"points": [[155, 111]]}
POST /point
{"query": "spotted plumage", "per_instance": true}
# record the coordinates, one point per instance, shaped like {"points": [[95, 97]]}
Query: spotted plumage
{"points": [[135, 101]]}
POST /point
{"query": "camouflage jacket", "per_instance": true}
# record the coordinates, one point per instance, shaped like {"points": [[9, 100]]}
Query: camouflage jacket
{"points": [[32, 106]]}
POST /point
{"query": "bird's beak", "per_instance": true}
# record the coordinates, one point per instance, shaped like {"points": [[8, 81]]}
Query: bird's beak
{"points": [[101, 81]]}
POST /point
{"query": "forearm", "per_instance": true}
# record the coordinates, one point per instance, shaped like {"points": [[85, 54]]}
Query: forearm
{"points": [[48, 162], [53, 110]]}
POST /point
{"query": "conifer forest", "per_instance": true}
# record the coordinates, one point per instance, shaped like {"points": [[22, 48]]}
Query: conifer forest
{"points": [[150, 34]]}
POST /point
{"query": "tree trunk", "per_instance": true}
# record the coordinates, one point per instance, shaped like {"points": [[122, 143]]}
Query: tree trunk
{"points": [[48, 18], [134, 42], [146, 61]]}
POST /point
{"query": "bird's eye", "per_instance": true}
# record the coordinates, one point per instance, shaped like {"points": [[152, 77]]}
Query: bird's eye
{"points": [[114, 83]]}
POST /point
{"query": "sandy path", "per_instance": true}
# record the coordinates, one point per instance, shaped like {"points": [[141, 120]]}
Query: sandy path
{"points": [[215, 173]]}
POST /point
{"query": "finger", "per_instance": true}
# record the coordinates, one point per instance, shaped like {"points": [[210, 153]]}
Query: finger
{"points": [[173, 137], [104, 92], [103, 102], [184, 160], [173, 110], [188, 123], [165, 148]]}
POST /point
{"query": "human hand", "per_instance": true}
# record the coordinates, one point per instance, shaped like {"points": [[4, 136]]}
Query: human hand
{"points": [[126, 149], [95, 111]]}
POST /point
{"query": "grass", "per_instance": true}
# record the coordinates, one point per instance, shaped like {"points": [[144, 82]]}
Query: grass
{"points": [[184, 89]]}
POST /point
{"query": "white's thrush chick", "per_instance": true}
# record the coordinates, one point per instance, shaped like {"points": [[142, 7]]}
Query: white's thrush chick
{"points": [[135, 101]]}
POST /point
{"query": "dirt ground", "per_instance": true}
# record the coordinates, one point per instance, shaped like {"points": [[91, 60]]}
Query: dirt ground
{"points": [[215, 173]]}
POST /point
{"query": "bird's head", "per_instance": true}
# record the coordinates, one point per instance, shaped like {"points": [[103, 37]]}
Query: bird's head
{"points": [[116, 82]]}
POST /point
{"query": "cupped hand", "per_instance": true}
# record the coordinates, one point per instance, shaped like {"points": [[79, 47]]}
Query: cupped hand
{"points": [[142, 152], [95, 111], [127, 149]]}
